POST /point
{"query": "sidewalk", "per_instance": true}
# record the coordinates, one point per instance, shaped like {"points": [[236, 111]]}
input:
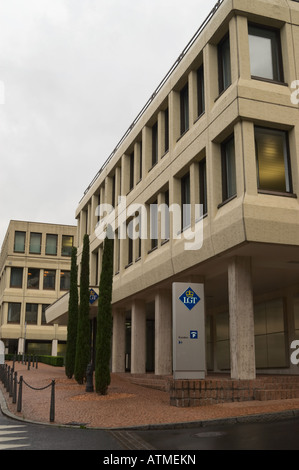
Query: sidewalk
{"points": [[126, 405]]}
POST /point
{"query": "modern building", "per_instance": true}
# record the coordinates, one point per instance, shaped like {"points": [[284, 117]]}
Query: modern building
{"points": [[222, 131], [35, 264]]}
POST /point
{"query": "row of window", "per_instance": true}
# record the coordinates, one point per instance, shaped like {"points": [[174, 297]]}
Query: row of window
{"points": [[273, 177], [265, 64], [31, 313], [35, 243], [33, 278]]}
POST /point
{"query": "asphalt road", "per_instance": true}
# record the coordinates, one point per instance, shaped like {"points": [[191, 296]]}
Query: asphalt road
{"points": [[272, 435], [16, 435]]}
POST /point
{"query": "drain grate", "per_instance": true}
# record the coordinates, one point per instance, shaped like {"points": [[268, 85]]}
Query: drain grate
{"points": [[76, 423], [210, 434]]}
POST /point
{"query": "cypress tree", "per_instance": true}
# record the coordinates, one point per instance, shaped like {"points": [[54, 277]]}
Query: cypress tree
{"points": [[72, 318], [83, 330], [104, 321]]}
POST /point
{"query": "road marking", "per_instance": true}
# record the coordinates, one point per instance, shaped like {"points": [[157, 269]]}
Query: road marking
{"points": [[130, 440], [8, 434]]}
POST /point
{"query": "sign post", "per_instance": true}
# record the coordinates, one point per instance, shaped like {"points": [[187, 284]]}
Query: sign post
{"points": [[189, 351]]}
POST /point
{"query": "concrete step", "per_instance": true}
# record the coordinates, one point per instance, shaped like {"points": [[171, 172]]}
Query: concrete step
{"points": [[151, 381]]}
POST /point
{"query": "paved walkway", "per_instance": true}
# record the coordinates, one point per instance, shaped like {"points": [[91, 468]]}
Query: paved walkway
{"points": [[126, 405]]}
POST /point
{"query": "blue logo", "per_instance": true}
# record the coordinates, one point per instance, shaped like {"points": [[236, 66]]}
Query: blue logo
{"points": [[93, 296], [193, 334], [189, 298]]}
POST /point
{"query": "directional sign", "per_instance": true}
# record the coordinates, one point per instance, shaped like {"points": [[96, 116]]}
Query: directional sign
{"points": [[189, 360], [93, 296]]}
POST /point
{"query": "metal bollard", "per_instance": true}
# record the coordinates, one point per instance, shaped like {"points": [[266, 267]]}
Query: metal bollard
{"points": [[19, 406], [7, 379], [52, 405], [11, 383], [14, 398]]}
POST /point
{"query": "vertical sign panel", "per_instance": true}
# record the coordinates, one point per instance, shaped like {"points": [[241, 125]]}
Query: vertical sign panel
{"points": [[189, 352]]}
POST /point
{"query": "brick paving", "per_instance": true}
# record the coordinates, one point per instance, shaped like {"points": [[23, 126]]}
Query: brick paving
{"points": [[126, 405]]}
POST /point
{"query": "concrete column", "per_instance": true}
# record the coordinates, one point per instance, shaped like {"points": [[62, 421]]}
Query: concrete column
{"points": [[241, 319], [138, 340], [54, 347], [163, 333], [21, 346], [119, 340]]}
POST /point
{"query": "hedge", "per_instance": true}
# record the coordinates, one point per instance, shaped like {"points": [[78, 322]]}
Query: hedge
{"points": [[56, 361]]}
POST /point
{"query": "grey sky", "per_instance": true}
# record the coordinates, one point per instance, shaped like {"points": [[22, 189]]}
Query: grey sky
{"points": [[76, 73]]}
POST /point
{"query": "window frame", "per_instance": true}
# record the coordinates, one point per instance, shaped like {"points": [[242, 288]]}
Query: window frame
{"points": [[221, 75], [276, 57], [287, 162], [31, 251], [53, 236], [184, 109], [48, 276], [155, 144], [63, 246], [19, 232], [185, 201], [201, 105], [10, 313], [226, 196], [38, 284], [203, 193], [14, 284]]}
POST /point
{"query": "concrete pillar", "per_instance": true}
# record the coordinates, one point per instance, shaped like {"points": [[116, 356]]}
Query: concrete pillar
{"points": [[163, 333], [54, 347], [21, 346], [119, 340], [241, 319], [138, 340]]}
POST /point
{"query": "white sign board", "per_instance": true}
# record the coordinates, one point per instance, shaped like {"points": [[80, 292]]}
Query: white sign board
{"points": [[2, 352], [189, 351]]}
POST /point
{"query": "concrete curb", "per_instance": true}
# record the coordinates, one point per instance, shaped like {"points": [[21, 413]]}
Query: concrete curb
{"points": [[254, 418]]}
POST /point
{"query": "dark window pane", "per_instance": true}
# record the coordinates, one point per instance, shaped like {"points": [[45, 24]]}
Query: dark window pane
{"points": [[49, 279], [184, 105], [16, 277], [203, 186], [33, 278], [31, 314], [166, 123], [14, 312], [185, 197], [228, 169], [131, 170], [65, 280], [154, 144], [200, 92], [224, 65]]}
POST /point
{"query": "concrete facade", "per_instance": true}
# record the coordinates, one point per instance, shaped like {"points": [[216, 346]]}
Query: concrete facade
{"points": [[219, 135], [35, 264]]}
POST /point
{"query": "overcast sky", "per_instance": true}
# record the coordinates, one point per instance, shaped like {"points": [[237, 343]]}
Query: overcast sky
{"points": [[75, 74]]}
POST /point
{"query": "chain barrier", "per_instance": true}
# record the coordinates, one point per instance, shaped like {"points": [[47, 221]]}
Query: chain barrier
{"points": [[8, 376]]}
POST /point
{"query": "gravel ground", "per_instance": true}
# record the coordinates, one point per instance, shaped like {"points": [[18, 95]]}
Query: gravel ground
{"points": [[125, 405]]}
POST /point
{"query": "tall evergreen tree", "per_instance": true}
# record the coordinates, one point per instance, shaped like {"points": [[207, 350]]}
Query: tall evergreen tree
{"points": [[104, 321], [72, 318], [83, 330]]}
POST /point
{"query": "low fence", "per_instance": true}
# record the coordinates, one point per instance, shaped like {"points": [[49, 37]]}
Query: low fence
{"points": [[14, 386]]}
